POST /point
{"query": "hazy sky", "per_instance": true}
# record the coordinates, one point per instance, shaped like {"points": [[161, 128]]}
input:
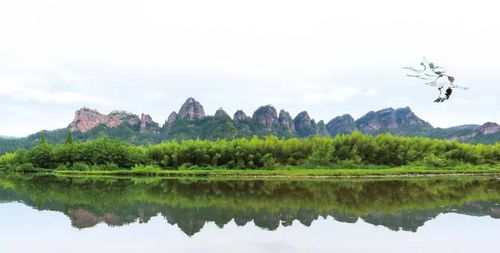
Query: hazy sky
{"points": [[326, 57]]}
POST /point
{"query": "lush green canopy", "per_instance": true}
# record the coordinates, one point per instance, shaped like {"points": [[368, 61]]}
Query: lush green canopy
{"points": [[346, 150]]}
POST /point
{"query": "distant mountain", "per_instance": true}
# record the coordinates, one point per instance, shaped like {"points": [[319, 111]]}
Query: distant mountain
{"points": [[401, 121], [489, 132], [8, 137], [191, 122]]}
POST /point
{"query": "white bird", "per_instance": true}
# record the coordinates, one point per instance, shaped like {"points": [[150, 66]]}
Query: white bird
{"points": [[436, 77]]}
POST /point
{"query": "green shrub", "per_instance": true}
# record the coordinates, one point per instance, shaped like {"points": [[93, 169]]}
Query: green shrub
{"points": [[80, 166], [146, 168], [434, 161], [26, 167]]}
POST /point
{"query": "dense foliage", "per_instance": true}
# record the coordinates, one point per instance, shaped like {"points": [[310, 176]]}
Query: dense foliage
{"points": [[352, 150], [394, 203]]}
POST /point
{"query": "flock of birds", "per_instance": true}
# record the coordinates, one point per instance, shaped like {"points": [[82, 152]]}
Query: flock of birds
{"points": [[435, 76]]}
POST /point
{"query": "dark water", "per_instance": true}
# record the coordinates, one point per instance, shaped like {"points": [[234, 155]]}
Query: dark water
{"points": [[49, 214]]}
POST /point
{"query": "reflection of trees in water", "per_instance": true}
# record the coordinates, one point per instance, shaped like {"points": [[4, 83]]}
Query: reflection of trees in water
{"points": [[191, 221], [190, 204], [412, 220]]}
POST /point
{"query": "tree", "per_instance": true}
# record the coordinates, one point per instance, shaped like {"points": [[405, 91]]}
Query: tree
{"points": [[69, 138], [41, 154]]}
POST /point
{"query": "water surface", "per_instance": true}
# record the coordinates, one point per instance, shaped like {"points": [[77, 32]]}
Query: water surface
{"points": [[51, 214]]}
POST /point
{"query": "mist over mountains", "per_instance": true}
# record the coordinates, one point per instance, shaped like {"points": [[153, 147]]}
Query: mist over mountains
{"points": [[191, 122]]}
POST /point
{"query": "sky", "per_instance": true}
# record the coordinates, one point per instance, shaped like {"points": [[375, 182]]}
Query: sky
{"points": [[50, 231], [326, 57]]}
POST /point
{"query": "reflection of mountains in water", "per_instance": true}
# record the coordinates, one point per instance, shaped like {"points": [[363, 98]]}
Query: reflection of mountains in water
{"points": [[191, 221], [395, 204]]}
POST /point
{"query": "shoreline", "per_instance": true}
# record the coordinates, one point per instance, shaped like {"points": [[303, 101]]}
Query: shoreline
{"points": [[228, 176], [290, 173]]}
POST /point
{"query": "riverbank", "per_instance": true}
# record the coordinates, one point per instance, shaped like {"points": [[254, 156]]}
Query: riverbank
{"points": [[291, 172]]}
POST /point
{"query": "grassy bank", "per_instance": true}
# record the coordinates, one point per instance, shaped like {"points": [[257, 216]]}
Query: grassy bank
{"points": [[292, 172]]}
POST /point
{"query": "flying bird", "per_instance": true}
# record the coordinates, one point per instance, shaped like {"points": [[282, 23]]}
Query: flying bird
{"points": [[435, 76]]}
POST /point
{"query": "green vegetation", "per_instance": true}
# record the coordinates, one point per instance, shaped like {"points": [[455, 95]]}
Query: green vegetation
{"points": [[190, 203], [355, 151], [290, 172]]}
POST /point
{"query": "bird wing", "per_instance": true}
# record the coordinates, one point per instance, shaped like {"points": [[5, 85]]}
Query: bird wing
{"points": [[414, 69], [436, 83], [459, 87], [439, 69], [440, 98]]}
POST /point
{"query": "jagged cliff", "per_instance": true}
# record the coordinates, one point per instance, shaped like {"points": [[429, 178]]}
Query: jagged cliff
{"points": [[341, 125], [265, 118], [191, 110], [86, 119], [148, 125], [397, 121], [191, 122]]}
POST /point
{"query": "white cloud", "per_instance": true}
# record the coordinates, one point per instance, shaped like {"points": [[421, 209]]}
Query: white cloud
{"points": [[149, 56], [152, 95], [337, 95], [59, 97], [462, 101], [371, 93], [8, 87]]}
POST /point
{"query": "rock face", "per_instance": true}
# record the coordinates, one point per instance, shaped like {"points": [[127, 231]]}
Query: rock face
{"points": [[170, 120], [265, 116], [304, 126], [286, 122], [148, 125], [489, 128], [344, 124], [487, 133], [390, 120], [321, 129], [240, 116], [81, 218], [86, 119], [191, 122], [221, 114], [191, 110], [185, 125], [243, 124]]}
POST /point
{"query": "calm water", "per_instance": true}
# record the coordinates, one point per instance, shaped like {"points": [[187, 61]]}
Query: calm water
{"points": [[48, 214]]}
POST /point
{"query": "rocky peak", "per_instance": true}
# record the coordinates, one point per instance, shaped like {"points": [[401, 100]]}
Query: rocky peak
{"points": [[406, 116], [321, 129], [191, 110], [265, 116], [286, 121], [240, 116], [221, 114], [148, 125], [489, 128], [465, 127], [170, 120], [304, 126], [86, 119], [390, 120], [344, 124]]}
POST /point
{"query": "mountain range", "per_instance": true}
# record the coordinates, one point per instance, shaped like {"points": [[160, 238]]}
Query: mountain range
{"points": [[191, 122]]}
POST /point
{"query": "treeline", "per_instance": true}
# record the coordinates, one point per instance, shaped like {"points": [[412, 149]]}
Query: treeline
{"points": [[352, 150]]}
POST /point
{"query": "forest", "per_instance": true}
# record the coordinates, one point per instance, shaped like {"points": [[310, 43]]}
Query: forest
{"points": [[353, 150]]}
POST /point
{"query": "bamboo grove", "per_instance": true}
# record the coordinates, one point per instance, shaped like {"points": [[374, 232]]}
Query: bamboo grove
{"points": [[352, 150]]}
